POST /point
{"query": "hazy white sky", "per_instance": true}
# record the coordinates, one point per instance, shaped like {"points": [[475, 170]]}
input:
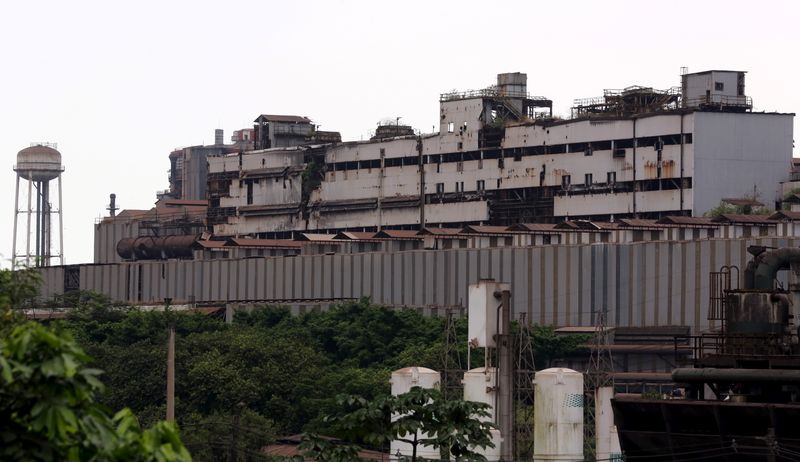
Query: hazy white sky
{"points": [[119, 85]]}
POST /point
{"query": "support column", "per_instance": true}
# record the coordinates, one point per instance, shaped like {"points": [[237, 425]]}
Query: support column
{"points": [[30, 212], [16, 217]]}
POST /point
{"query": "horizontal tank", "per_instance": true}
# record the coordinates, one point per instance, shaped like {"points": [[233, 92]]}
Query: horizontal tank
{"points": [[38, 163], [156, 248], [558, 415], [402, 381]]}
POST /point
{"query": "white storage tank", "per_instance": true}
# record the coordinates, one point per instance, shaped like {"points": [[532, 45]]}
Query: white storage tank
{"points": [[480, 386], [558, 415], [402, 382]]}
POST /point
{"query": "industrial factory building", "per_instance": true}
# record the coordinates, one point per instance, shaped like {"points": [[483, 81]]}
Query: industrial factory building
{"points": [[500, 158], [600, 210]]}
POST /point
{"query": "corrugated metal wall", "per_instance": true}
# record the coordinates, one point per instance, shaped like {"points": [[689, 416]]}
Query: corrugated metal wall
{"points": [[648, 283]]}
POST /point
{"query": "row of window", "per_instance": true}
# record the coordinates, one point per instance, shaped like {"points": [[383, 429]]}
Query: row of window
{"points": [[617, 147]]}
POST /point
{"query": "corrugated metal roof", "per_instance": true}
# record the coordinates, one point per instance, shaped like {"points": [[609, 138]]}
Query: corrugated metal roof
{"points": [[398, 234], [477, 229], [695, 221], [745, 219], [640, 223], [245, 242], [535, 227], [355, 235], [785, 215], [449, 232], [317, 237]]}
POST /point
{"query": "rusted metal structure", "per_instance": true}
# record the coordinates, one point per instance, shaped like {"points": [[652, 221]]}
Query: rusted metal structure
{"points": [[742, 397]]}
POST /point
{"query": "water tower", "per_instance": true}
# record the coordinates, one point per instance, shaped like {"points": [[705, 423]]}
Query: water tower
{"points": [[39, 164]]}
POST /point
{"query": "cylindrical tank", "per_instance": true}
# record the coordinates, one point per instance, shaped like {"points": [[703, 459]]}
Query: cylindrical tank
{"points": [[156, 248], [756, 313], [480, 386], [558, 415], [402, 382], [38, 163]]}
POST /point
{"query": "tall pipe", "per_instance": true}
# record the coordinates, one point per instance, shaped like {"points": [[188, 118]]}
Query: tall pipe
{"points": [[760, 272]]}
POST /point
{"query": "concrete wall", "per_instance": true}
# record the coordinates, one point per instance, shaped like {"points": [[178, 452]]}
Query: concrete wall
{"points": [[647, 283], [735, 152]]}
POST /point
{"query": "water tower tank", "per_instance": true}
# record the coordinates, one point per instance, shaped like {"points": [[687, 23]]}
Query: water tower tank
{"points": [[402, 382], [480, 386], [558, 415], [38, 163]]}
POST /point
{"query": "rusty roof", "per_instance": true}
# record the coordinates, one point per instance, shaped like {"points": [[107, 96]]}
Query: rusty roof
{"points": [[283, 118], [206, 244], [478, 229], [586, 225], [762, 220], [356, 235], [398, 234], [785, 215], [693, 221], [445, 232], [640, 223], [535, 227], [316, 237], [247, 242]]}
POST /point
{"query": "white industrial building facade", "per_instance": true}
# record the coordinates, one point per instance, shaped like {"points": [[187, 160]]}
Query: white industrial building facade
{"points": [[498, 159]]}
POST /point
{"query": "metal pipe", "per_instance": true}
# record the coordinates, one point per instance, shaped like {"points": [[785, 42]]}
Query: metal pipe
{"points": [[710, 374], [760, 272]]}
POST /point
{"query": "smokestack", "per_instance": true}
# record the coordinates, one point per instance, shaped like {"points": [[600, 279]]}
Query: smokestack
{"points": [[112, 205], [219, 137]]}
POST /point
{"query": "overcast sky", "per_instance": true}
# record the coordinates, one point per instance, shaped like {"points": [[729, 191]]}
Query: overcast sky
{"points": [[118, 86]]}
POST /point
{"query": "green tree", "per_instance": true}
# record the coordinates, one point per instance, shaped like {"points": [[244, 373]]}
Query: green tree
{"points": [[421, 417], [48, 411]]}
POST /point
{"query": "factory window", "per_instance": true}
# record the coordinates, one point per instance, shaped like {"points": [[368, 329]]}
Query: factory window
{"points": [[450, 127], [588, 151], [719, 86], [460, 145], [481, 185], [611, 177], [587, 179], [383, 152], [499, 182], [459, 186], [439, 188], [565, 181], [249, 191], [460, 166]]}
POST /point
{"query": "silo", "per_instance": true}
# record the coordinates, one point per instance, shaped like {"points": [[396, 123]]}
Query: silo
{"points": [[558, 415], [480, 385], [402, 382]]}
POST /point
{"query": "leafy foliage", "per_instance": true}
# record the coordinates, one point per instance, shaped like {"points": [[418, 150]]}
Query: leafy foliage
{"points": [[421, 417], [48, 412]]}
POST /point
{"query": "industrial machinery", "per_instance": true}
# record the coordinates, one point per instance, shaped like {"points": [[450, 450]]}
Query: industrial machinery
{"points": [[742, 389]]}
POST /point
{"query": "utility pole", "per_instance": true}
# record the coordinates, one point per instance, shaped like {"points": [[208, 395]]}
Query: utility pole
{"points": [[170, 368], [505, 392], [453, 371], [524, 373], [598, 376]]}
